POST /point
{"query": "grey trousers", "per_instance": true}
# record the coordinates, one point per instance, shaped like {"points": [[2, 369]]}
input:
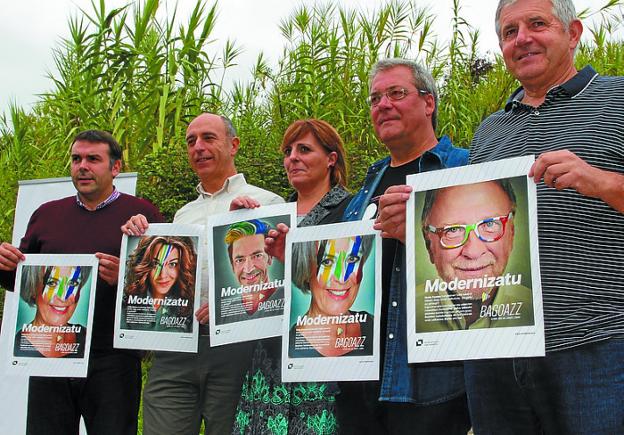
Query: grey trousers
{"points": [[185, 388]]}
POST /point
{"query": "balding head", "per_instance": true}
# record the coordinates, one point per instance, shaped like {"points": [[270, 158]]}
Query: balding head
{"points": [[212, 144]]}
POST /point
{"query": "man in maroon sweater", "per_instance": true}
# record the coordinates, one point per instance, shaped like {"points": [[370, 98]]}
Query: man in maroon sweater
{"points": [[108, 398]]}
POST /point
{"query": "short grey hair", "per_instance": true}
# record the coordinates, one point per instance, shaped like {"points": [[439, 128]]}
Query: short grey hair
{"points": [[421, 76], [562, 9], [230, 131], [306, 254]]}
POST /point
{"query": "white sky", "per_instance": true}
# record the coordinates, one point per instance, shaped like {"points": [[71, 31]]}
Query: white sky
{"points": [[30, 29]]}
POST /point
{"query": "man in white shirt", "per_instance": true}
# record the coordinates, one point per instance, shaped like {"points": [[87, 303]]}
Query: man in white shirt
{"points": [[183, 389]]}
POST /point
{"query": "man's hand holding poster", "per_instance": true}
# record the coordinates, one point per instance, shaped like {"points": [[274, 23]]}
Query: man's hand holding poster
{"points": [[53, 315], [472, 264]]}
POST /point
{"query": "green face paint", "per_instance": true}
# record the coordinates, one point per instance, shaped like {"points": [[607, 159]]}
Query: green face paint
{"points": [[163, 253]]}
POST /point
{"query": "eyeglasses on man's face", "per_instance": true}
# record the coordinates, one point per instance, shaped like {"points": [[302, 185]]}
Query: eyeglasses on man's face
{"points": [[487, 230], [394, 93]]}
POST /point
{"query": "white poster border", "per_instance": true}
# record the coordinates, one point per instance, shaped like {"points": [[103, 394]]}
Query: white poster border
{"points": [[30, 195], [506, 342], [341, 368], [160, 340], [52, 367], [253, 329]]}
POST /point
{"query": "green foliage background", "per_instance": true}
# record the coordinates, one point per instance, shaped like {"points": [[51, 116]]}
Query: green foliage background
{"points": [[144, 78]]}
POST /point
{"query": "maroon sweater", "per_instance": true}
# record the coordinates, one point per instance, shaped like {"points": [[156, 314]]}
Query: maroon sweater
{"points": [[63, 227]]}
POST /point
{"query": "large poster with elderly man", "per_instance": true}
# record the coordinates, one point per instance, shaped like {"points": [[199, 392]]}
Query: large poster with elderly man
{"points": [[246, 281], [53, 315], [472, 264], [331, 326]]}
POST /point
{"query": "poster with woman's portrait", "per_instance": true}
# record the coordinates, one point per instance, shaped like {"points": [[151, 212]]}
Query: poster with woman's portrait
{"points": [[472, 264], [53, 315], [333, 298], [158, 289], [246, 283]]}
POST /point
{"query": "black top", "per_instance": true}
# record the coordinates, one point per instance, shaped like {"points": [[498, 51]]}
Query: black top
{"points": [[328, 210], [392, 177]]}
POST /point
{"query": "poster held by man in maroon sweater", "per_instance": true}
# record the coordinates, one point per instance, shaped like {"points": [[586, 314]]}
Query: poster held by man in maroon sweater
{"points": [[88, 223], [53, 315]]}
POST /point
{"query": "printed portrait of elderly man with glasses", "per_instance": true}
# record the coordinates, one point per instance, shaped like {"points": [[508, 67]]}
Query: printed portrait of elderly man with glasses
{"points": [[469, 233]]}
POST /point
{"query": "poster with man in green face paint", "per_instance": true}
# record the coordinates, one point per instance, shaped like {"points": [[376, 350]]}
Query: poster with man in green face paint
{"points": [[246, 283], [53, 315]]}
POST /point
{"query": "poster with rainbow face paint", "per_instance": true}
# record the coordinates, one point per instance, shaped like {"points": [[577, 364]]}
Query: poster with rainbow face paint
{"points": [[333, 297], [158, 289], [473, 277], [53, 315], [246, 283]]}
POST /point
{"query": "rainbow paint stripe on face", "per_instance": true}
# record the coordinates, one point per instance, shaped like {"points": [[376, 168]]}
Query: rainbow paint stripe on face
{"points": [[340, 264], [163, 253], [63, 287]]}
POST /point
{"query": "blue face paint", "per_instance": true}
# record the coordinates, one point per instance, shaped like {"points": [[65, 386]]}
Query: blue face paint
{"points": [[73, 283], [354, 253], [339, 263]]}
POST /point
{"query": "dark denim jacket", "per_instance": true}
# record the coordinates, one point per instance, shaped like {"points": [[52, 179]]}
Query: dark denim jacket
{"points": [[422, 384]]}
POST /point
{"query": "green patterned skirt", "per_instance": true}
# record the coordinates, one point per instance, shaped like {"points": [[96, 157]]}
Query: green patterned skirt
{"points": [[268, 406]]}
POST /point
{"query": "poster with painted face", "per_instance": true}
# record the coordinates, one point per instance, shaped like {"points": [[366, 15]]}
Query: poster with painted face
{"points": [[158, 287], [472, 265], [246, 283], [53, 315], [331, 332], [31, 194]]}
